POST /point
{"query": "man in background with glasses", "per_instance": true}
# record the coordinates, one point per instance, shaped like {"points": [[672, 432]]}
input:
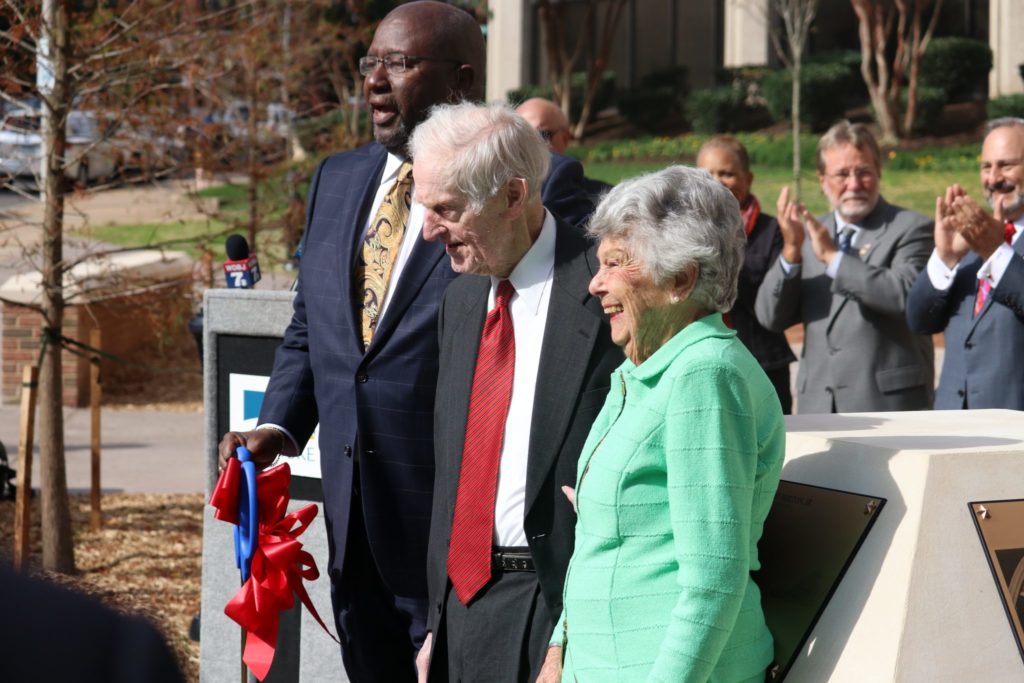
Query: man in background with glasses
{"points": [[846, 276], [361, 353], [553, 125]]}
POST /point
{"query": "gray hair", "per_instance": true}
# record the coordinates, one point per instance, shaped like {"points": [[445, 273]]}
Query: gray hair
{"points": [[676, 218], [1003, 122], [484, 146], [845, 133]]}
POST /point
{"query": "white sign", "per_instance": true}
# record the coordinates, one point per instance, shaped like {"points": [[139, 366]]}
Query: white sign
{"points": [[245, 397]]}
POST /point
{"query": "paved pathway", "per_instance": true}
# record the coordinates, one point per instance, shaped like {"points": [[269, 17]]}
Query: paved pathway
{"points": [[143, 451]]}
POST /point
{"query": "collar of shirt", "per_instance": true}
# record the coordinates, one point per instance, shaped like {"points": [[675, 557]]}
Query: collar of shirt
{"points": [[842, 225], [532, 274], [1018, 225], [391, 167]]}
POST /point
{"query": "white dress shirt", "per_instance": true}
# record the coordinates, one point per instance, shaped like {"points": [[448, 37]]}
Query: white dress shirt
{"points": [[531, 279], [941, 277], [412, 231]]}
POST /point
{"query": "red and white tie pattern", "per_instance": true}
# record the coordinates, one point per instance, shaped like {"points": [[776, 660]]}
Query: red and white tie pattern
{"points": [[469, 553], [984, 285]]}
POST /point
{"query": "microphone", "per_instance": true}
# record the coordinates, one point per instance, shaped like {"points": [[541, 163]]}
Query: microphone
{"points": [[241, 270]]}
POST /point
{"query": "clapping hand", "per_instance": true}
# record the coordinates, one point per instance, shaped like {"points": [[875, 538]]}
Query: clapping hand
{"points": [[981, 231], [950, 245]]}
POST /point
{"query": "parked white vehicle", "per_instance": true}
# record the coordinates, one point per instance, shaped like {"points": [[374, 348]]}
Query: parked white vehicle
{"points": [[88, 156]]}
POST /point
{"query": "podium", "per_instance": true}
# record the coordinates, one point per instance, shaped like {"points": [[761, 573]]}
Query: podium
{"points": [[242, 329]]}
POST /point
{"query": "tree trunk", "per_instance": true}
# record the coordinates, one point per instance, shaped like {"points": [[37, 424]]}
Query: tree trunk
{"points": [[58, 543], [797, 68]]}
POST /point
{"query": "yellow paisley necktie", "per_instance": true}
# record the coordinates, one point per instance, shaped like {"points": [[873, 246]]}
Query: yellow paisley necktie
{"points": [[380, 249]]}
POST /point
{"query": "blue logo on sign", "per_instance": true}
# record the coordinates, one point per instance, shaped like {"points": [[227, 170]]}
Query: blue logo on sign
{"points": [[251, 403]]}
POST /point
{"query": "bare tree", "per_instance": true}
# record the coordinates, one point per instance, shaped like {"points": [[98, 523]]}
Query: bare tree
{"points": [[880, 21], [796, 17], [53, 44], [563, 58]]}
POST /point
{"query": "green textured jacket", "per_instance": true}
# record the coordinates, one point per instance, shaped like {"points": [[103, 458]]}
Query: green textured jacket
{"points": [[672, 490]]}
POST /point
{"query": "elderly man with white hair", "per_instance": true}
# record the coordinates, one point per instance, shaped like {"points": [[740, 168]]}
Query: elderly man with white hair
{"points": [[526, 357]]}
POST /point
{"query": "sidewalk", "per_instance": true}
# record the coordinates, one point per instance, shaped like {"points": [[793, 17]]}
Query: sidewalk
{"points": [[143, 451]]}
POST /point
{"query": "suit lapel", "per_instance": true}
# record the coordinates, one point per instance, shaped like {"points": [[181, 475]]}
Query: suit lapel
{"points": [[465, 337], [569, 336], [872, 233], [362, 188], [422, 261], [1018, 248]]}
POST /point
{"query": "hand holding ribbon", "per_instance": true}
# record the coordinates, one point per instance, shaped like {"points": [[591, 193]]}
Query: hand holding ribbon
{"points": [[279, 564]]}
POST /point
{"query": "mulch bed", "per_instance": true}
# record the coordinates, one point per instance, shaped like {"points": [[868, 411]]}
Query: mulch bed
{"points": [[145, 560]]}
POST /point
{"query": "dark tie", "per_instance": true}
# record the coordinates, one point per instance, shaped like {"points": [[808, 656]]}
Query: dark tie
{"points": [[984, 285], [846, 239], [469, 554]]}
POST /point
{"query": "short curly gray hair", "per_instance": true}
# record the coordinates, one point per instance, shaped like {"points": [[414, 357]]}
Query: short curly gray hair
{"points": [[485, 146], [676, 218]]}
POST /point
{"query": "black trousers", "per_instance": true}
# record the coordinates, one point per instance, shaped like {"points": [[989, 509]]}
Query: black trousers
{"points": [[502, 635], [780, 380], [380, 632]]}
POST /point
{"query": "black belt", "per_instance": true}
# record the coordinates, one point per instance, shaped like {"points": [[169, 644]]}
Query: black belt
{"points": [[513, 559]]}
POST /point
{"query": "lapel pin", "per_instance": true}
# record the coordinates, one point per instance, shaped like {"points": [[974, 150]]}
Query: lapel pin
{"points": [[864, 250]]}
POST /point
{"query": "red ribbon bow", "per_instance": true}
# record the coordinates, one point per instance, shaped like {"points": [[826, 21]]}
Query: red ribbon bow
{"points": [[279, 564]]}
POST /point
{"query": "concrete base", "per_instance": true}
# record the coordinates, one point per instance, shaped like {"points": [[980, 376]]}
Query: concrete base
{"points": [[918, 603], [305, 654]]}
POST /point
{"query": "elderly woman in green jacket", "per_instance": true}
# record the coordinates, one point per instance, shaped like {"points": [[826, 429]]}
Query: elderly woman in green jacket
{"points": [[681, 465]]}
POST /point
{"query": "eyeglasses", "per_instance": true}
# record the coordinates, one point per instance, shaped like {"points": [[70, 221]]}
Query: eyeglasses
{"points": [[863, 174], [396, 63], [546, 134]]}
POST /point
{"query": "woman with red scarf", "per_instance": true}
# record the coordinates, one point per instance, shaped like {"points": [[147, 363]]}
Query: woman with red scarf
{"points": [[726, 159]]}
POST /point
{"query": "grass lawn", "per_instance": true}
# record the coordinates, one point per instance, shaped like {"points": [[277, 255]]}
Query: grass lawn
{"points": [[912, 189], [187, 236]]}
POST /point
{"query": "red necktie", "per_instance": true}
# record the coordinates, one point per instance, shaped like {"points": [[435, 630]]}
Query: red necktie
{"points": [[469, 553], [984, 285]]}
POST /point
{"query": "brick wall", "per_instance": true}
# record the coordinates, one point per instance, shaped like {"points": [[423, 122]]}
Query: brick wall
{"points": [[139, 328]]}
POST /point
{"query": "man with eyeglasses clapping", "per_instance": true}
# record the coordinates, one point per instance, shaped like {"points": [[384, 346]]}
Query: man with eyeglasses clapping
{"points": [[845, 277]]}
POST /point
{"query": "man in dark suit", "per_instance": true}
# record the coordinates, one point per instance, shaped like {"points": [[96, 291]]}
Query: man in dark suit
{"points": [[973, 287], [847, 283], [553, 125], [526, 356], [360, 354]]}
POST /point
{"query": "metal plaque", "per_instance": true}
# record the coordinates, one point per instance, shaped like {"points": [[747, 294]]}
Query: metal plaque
{"points": [[810, 538], [1000, 525]]}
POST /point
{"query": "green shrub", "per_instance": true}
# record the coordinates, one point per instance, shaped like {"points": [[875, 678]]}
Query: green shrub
{"points": [[825, 91], [765, 150], [1007, 105], [675, 77], [716, 110], [603, 98], [928, 116], [850, 59], [960, 66], [650, 109]]}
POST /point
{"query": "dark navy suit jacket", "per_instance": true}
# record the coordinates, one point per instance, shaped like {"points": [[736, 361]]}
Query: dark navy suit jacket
{"points": [[380, 402], [982, 367]]}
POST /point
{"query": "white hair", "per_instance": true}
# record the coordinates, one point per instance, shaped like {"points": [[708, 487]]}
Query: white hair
{"points": [[674, 219], [483, 147]]}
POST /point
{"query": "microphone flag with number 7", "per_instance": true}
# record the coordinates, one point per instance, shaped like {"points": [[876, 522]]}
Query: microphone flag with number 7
{"points": [[278, 564]]}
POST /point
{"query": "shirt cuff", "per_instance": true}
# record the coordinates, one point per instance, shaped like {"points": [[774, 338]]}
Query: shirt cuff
{"points": [[833, 268], [790, 270], [939, 274], [996, 265], [291, 446]]}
